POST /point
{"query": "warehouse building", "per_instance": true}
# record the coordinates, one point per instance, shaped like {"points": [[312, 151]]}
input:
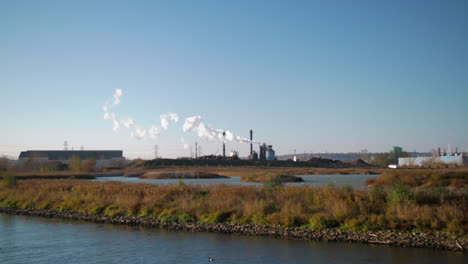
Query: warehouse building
{"points": [[425, 161]]}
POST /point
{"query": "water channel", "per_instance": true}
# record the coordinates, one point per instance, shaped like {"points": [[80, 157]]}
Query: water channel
{"points": [[26, 239], [356, 181]]}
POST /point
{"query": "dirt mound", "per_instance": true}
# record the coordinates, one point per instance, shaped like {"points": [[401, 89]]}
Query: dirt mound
{"points": [[358, 162]]}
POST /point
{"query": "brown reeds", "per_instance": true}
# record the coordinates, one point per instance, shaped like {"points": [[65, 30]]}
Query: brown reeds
{"points": [[425, 178], [399, 208]]}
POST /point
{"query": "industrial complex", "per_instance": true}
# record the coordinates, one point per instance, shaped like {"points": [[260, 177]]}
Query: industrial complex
{"points": [[264, 156], [437, 157]]}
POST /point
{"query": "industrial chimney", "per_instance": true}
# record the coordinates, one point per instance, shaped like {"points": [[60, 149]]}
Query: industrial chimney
{"points": [[251, 138], [224, 144]]}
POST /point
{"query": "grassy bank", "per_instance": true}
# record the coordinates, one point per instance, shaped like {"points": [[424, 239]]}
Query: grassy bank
{"points": [[315, 208], [274, 178], [31, 175], [435, 178]]}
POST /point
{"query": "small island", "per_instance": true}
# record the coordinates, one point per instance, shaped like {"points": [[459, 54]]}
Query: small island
{"points": [[270, 178], [181, 175]]}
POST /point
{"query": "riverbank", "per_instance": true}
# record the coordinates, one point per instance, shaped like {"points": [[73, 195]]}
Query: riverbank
{"points": [[398, 208], [417, 178], [401, 239], [58, 175], [245, 171]]}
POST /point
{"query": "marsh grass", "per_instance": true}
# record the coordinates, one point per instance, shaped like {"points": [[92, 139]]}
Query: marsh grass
{"points": [[398, 208], [422, 178], [8, 180]]}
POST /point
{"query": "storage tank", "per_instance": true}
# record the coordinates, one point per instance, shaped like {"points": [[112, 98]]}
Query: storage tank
{"points": [[270, 153]]}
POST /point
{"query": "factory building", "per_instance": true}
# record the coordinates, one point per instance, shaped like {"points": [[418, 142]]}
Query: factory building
{"points": [[104, 158], [425, 161], [396, 149], [266, 152]]}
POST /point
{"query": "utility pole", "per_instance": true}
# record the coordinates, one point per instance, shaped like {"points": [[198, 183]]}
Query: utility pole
{"points": [[196, 150], [65, 145]]}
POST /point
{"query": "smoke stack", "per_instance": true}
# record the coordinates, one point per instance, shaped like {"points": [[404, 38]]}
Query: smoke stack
{"points": [[224, 144], [251, 138]]}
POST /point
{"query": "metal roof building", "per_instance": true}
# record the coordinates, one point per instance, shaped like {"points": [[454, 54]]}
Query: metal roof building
{"points": [[424, 161]]}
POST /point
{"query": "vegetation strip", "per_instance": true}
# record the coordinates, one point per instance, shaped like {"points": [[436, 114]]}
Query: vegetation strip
{"points": [[402, 239]]}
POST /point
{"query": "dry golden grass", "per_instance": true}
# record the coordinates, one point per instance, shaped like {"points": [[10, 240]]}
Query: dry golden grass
{"points": [[295, 206], [424, 178]]}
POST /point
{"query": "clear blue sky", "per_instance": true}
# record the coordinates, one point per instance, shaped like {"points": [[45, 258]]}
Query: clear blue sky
{"points": [[336, 76]]}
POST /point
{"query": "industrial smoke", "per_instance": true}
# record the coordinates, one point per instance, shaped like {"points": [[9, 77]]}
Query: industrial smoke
{"points": [[193, 124]]}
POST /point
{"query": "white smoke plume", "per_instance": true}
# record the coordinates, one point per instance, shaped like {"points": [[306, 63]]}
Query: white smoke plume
{"points": [[117, 94], [165, 118], [192, 124], [111, 115], [128, 123], [186, 146], [137, 131], [153, 132], [196, 125]]}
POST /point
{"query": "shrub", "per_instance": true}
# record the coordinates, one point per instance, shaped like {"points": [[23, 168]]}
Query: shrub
{"points": [[96, 210], [174, 216], [9, 180], [274, 181], [215, 217], [400, 194], [113, 210], [185, 218], [89, 165], [321, 221], [75, 163]]}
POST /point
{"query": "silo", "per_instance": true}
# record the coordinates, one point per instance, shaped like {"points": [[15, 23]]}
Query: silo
{"points": [[270, 153]]}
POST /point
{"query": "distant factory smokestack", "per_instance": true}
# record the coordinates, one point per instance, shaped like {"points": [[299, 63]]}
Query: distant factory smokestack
{"points": [[224, 144], [251, 138]]}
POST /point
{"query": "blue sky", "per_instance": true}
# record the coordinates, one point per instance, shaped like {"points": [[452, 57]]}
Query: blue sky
{"points": [[336, 76]]}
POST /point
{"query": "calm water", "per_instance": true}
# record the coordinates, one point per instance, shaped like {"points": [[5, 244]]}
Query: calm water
{"points": [[38, 240], [356, 181]]}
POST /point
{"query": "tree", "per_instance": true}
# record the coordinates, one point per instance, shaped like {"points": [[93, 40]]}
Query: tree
{"points": [[385, 159], [89, 165], [75, 163], [4, 164]]}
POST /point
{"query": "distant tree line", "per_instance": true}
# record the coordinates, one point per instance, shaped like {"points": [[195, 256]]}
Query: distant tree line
{"points": [[391, 157]]}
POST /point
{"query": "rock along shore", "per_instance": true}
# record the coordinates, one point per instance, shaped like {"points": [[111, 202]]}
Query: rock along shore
{"points": [[394, 238]]}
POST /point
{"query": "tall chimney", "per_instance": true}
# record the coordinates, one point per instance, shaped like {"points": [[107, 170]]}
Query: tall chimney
{"points": [[224, 144], [251, 138]]}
